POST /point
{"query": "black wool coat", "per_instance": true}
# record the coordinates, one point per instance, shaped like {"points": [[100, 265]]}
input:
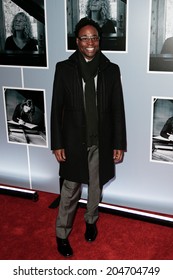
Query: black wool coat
{"points": [[68, 121]]}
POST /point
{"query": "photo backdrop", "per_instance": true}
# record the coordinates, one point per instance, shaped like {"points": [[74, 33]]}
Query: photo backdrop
{"points": [[140, 182]]}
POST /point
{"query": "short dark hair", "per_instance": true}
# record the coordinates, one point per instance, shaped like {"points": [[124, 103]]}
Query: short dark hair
{"points": [[84, 22]]}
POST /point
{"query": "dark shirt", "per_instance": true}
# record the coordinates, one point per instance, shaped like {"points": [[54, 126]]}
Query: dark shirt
{"points": [[167, 130], [108, 27], [10, 45]]}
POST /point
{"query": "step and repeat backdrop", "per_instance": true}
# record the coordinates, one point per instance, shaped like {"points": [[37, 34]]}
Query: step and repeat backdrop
{"points": [[138, 36]]}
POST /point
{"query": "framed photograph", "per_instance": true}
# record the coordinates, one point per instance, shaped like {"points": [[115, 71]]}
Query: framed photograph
{"points": [[161, 36], [162, 130], [23, 36], [25, 116], [111, 15]]}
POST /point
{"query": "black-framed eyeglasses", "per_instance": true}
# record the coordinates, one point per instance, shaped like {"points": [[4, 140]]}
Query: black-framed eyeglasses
{"points": [[88, 38]]}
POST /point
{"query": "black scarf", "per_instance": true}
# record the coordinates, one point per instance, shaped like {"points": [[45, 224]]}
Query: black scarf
{"points": [[89, 70]]}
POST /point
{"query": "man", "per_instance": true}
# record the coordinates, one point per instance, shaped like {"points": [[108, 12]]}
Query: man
{"points": [[88, 132]]}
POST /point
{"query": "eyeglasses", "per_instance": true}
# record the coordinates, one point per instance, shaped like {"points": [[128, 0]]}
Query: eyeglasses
{"points": [[88, 38]]}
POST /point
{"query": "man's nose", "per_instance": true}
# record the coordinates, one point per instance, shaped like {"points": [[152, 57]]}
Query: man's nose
{"points": [[90, 41]]}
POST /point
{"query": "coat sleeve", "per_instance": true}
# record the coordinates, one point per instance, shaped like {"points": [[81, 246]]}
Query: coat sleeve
{"points": [[118, 112], [57, 110]]}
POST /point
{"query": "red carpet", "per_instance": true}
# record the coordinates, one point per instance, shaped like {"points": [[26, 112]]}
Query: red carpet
{"points": [[28, 232]]}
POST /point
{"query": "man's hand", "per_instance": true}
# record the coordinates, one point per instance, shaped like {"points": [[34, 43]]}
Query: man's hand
{"points": [[60, 155], [118, 155], [170, 137]]}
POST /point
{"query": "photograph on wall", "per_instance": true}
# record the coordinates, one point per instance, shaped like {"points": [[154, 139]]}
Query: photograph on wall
{"points": [[162, 130], [161, 36], [25, 116], [23, 33], [111, 15]]}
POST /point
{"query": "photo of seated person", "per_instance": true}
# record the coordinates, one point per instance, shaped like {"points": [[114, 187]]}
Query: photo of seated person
{"points": [[25, 117], [23, 112], [21, 38]]}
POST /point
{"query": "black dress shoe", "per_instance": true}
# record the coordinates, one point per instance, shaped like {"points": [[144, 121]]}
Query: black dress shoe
{"points": [[91, 232], [64, 247]]}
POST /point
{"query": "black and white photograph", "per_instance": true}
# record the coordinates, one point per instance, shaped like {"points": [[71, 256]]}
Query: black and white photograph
{"points": [[23, 33], [25, 116], [111, 15], [162, 130], [161, 36]]}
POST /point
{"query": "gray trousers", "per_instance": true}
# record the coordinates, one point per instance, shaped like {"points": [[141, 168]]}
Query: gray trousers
{"points": [[70, 195]]}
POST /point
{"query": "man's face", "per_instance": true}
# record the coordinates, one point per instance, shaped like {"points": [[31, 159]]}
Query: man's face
{"points": [[88, 41]]}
